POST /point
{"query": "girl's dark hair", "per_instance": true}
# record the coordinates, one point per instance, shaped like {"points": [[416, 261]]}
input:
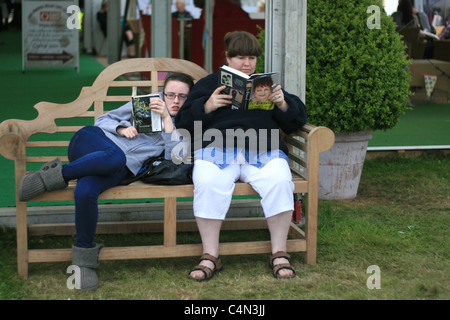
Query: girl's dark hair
{"points": [[182, 77], [263, 82], [241, 43], [405, 7]]}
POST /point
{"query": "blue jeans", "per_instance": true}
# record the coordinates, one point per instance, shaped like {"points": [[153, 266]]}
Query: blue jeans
{"points": [[98, 164]]}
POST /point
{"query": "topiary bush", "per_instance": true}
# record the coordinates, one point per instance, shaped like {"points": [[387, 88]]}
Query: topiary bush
{"points": [[261, 36], [356, 77]]}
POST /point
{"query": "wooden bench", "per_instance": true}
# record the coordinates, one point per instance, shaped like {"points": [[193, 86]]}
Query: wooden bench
{"points": [[24, 142]]}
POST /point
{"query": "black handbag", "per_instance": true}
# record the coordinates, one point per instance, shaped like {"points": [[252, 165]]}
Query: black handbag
{"points": [[158, 170]]}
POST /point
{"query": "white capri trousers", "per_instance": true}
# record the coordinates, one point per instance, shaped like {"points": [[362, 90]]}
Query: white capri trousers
{"points": [[213, 187]]}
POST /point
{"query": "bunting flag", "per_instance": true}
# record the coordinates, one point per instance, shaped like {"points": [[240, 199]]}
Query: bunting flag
{"points": [[206, 37], [430, 81]]}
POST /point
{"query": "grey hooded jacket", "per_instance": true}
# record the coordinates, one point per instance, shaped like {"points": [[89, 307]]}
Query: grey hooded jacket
{"points": [[139, 149]]}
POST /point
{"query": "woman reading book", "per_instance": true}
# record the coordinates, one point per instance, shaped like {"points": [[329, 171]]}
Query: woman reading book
{"points": [[261, 161], [101, 156]]}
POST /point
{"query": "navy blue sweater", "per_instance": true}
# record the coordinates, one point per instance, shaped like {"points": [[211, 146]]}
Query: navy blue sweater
{"points": [[226, 118]]}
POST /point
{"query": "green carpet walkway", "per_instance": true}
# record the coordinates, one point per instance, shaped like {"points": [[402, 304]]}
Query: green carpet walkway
{"points": [[425, 126], [19, 92]]}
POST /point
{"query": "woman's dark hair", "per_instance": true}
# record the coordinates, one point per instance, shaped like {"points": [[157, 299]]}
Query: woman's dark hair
{"points": [[182, 77], [406, 8], [241, 43]]}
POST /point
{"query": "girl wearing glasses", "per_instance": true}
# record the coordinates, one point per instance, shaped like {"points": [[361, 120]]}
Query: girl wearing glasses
{"points": [[101, 156]]}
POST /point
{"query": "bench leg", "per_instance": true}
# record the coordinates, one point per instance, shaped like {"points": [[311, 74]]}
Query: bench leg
{"points": [[311, 229], [22, 238], [170, 222]]}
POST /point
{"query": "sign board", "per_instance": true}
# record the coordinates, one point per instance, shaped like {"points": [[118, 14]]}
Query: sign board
{"points": [[50, 33]]}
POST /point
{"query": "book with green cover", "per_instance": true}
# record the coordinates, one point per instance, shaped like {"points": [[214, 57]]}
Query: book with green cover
{"points": [[145, 120]]}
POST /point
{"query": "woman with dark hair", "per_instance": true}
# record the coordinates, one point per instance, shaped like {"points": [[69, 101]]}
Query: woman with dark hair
{"points": [[407, 17], [101, 157], [404, 17], [247, 147]]}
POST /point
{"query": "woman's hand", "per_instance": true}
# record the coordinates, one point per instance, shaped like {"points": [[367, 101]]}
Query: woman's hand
{"points": [[277, 97], [217, 100], [127, 132]]}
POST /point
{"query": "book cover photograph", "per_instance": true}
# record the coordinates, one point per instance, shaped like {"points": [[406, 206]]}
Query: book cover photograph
{"points": [[249, 92], [145, 120], [236, 83], [261, 88]]}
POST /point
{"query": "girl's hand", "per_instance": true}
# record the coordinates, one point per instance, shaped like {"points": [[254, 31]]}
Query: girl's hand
{"points": [[129, 133], [159, 106], [217, 100]]}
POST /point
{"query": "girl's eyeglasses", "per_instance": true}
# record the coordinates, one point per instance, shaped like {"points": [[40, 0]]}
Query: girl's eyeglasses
{"points": [[172, 96]]}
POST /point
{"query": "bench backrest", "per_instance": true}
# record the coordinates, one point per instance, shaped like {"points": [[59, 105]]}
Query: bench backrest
{"points": [[112, 88]]}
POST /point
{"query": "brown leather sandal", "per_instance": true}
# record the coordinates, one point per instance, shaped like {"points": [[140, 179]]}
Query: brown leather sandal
{"points": [[209, 273], [276, 268]]}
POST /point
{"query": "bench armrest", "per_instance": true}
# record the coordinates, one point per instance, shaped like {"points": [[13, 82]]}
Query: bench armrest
{"points": [[14, 133]]}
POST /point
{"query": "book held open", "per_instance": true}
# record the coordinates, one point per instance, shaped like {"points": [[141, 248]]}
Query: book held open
{"points": [[145, 120], [249, 92]]}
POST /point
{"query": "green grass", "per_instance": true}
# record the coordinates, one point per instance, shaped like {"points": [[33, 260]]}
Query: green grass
{"points": [[399, 222]]}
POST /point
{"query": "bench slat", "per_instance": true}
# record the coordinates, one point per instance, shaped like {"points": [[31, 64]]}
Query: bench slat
{"points": [[297, 159], [146, 226], [296, 143], [147, 252], [37, 144], [68, 128], [46, 159], [135, 83], [117, 98], [140, 190]]}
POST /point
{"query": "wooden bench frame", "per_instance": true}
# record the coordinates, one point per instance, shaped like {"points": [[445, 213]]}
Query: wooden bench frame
{"points": [[14, 143]]}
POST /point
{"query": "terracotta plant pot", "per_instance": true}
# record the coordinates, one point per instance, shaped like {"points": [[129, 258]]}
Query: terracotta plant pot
{"points": [[341, 166]]}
